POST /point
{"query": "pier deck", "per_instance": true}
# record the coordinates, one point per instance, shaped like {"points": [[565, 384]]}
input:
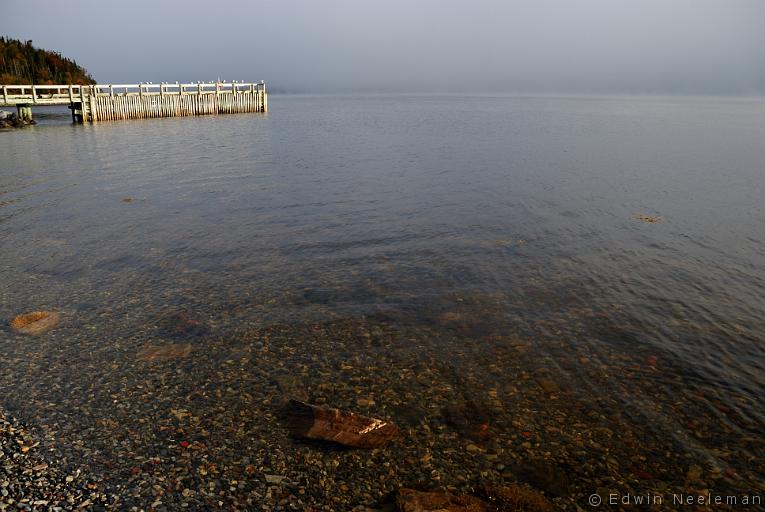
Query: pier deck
{"points": [[136, 101]]}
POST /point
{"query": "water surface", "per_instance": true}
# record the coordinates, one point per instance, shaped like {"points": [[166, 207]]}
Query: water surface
{"points": [[458, 226]]}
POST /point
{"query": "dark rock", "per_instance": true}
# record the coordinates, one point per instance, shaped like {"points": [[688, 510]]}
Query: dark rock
{"points": [[549, 386], [469, 419], [544, 476], [181, 325], [11, 120]]}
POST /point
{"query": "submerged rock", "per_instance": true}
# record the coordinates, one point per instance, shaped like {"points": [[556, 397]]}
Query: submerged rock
{"points": [[470, 419], [549, 386], [180, 324], [342, 427], [409, 500], [543, 475], [36, 322], [650, 219]]}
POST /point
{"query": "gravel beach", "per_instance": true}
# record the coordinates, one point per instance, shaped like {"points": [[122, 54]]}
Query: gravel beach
{"points": [[195, 421]]}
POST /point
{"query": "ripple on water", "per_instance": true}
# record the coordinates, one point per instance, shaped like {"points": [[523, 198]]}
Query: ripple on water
{"points": [[486, 286]]}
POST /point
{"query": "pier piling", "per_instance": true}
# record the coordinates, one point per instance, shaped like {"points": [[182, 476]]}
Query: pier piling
{"points": [[24, 112]]}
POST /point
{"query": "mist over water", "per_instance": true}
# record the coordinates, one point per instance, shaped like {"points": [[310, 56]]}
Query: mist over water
{"points": [[549, 46]]}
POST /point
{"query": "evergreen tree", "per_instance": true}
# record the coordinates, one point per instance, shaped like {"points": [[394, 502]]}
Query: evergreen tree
{"points": [[22, 63]]}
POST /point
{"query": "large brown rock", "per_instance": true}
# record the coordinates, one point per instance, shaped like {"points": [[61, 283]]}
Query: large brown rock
{"points": [[342, 427]]}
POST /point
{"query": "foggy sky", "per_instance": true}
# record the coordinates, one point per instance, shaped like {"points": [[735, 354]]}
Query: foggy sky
{"points": [[533, 46]]}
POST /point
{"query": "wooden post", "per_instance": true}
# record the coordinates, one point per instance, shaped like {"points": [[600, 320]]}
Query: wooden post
{"points": [[217, 98], [82, 104], [24, 112], [92, 104], [5, 94]]}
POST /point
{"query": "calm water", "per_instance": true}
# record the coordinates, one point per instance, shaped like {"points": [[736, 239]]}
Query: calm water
{"points": [[500, 211]]}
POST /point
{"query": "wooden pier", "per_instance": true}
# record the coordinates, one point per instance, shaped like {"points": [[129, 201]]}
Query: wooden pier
{"points": [[137, 101]]}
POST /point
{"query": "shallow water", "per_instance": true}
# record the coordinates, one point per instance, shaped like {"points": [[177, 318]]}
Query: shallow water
{"points": [[463, 218]]}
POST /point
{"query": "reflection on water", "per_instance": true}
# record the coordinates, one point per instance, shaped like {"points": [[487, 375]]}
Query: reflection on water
{"points": [[486, 251]]}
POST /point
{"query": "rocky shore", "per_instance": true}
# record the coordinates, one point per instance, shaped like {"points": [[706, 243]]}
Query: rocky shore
{"points": [[32, 479], [11, 120]]}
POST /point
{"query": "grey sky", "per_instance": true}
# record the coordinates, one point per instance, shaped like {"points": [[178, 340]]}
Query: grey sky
{"points": [[547, 46]]}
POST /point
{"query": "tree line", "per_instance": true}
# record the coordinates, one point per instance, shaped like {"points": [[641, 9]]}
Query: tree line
{"points": [[22, 63]]}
